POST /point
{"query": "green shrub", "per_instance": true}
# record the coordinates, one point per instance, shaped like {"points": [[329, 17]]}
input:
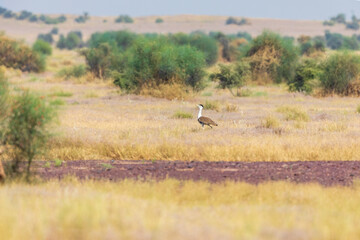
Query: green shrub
{"points": [[272, 57], [340, 18], [232, 20], [232, 76], [27, 128], [159, 20], [9, 14], [50, 20], [124, 19], [54, 31], [4, 106], [155, 62], [33, 18], [42, 47], [117, 40], [350, 43], [71, 41], [307, 74], [2, 10], [46, 37], [340, 69], [334, 40], [24, 15], [100, 60], [200, 41], [329, 23], [83, 18], [15, 54]]}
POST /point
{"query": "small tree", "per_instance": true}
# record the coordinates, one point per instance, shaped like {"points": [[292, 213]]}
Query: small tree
{"points": [[232, 76], [4, 110], [27, 129], [339, 70]]}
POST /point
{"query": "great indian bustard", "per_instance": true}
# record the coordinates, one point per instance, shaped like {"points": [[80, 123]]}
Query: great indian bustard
{"points": [[204, 120]]}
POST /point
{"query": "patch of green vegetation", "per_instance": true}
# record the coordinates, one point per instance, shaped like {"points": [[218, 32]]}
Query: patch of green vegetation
{"points": [[61, 93], [47, 165], [57, 163], [207, 94], [107, 166], [57, 102], [182, 115]]}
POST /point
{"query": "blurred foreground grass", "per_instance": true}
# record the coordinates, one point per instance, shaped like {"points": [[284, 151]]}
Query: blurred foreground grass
{"points": [[173, 209]]}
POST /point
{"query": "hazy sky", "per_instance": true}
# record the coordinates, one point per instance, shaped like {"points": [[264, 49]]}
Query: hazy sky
{"points": [[284, 9]]}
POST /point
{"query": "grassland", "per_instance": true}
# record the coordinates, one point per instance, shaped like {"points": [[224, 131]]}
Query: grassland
{"points": [[98, 121], [177, 210]]}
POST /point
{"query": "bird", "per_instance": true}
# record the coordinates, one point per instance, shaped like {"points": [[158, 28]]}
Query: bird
{"points": [[205, 120]]}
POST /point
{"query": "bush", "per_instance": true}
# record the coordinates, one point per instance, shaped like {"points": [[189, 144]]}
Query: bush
{"points": [[42, 47], [307, 74], [155, 62], [100, 60], [50, 20], [83, 18], [27, 129], [24, 15], [124, 19], [232, 76], [2, 10], [232, 20], [46, 37], [244, 35], [54, 31], [71, 41], [200, 41], [340, 18], [340, 69], [353, 25], [9, 14], [33, 18], [350, 43], [271, 57], [329, 23], [159, 20], [334, 40], [118, 40], [15, 54]]}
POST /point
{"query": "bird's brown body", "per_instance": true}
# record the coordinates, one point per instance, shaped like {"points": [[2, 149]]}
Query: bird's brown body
{"points": [[206, 121]]}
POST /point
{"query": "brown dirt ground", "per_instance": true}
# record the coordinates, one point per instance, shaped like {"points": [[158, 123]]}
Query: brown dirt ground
{"points": [[326, 173]]}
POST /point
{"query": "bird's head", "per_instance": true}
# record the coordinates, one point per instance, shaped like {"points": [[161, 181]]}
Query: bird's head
{"points": [[200, 106]]}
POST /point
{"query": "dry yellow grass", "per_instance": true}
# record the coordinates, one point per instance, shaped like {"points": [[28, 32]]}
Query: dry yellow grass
{"points": [[173, 209], [99, 122]]}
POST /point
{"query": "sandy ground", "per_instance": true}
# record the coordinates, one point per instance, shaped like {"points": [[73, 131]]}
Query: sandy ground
{"points": [[172, 24]]}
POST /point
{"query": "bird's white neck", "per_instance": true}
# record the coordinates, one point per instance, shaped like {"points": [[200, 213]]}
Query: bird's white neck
{"points": [[199, 115]]}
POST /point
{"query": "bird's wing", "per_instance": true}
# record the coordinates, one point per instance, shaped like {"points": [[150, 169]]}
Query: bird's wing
{"points": [[207, 120]]}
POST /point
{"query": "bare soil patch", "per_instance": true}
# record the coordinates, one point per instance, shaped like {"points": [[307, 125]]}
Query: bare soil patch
{"points": [[326, 173]]}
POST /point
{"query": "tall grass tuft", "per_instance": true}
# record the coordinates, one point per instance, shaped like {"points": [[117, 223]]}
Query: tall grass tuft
{"points": [[294, 113]]}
